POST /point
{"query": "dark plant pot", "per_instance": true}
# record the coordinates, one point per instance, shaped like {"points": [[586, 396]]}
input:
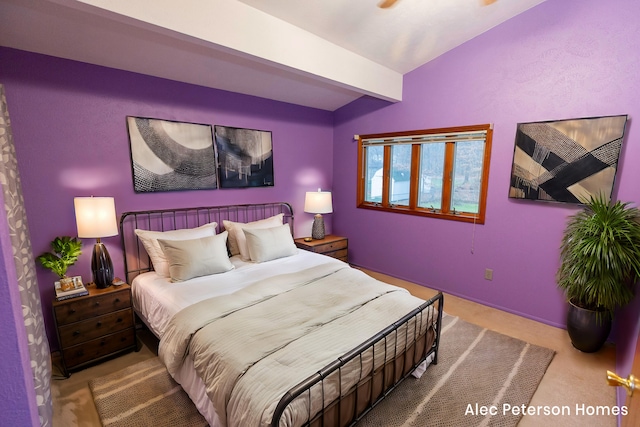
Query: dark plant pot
{"points": [[588, 329]]}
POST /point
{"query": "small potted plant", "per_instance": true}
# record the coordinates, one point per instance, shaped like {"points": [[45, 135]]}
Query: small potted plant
{"points": [[66, 251], [600, 263]]}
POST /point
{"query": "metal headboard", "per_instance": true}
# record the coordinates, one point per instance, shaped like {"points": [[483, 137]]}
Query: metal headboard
{"points": [[136, 260]]}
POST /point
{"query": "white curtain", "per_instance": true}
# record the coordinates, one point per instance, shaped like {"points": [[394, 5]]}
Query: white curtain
{"points": [[25, 267]]}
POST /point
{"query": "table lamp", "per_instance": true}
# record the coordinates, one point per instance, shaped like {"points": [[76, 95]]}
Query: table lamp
{"points": [[96, 218], [318, 202]]}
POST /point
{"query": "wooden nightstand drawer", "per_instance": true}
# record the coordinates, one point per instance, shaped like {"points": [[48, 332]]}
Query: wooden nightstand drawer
{"points": [[342, 254], [333, 246], [94, 349], [90, 306], [326, 248], [79, 332]]}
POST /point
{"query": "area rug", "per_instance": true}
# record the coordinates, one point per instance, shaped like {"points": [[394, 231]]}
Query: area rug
{"points": [[482, 378], [143, 395]]}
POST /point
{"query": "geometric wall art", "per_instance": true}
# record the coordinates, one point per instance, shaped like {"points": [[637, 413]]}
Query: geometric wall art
{"points": [[566, 160], [245, 157], [168, 155]]}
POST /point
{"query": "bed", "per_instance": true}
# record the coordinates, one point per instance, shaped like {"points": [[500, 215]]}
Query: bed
{"points": [[258, 332]]}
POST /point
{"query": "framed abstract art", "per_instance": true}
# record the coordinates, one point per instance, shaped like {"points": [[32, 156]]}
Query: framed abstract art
{"points": [[566, 160], [245, 157], [170, 156]]}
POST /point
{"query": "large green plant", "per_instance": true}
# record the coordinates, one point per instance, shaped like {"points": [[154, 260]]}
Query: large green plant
{"points": [[66, 251], [600, 255]]}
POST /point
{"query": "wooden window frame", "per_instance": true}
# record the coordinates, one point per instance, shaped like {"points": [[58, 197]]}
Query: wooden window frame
{"points": [[413, 209]]}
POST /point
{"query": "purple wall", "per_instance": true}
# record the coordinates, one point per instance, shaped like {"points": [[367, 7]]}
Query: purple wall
{"points": [[561, 59], [71, 140]]}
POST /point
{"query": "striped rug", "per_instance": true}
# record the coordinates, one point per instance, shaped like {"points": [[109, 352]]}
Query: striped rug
{"points": [[476, 369], [143, 394]]}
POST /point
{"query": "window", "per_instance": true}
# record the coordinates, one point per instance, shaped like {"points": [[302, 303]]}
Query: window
{"points": [[437, 172]]}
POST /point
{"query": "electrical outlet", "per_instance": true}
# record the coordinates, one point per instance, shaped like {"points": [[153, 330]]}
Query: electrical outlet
{"points": [[488, 274]]}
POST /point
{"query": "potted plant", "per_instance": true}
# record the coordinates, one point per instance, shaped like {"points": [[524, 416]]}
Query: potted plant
{"points": [[66, 251], [600, 263]]}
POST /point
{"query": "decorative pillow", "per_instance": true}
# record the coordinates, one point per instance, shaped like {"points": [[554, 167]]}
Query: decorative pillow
{"points": [[198, 257], [265, 244], [149, 240], [237, 242]]}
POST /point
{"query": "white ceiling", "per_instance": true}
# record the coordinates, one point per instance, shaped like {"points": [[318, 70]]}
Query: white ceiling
{"points": [[317, 53]]}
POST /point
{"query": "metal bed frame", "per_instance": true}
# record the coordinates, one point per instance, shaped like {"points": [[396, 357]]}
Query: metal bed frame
{"points": [[353, 402], [136, 260]]}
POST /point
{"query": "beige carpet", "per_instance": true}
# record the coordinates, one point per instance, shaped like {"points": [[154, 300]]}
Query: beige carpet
{"points": [[475, 366]]}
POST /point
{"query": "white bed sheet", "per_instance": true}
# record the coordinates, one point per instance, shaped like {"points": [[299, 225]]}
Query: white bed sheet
{"points": [[157, 300]]}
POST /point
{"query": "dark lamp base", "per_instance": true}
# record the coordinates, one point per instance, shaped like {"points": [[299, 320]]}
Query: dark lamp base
{"points": [[101, 266]]}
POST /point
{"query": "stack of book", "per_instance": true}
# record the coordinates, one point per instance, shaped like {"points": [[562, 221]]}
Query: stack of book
{"points": [[77, 290]]}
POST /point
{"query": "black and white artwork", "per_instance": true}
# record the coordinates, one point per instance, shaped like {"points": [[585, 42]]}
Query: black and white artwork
{"points": [[245, 157], [566, 160], [170, 156]]}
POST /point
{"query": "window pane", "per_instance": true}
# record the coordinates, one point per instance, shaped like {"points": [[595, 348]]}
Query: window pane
{"points": [[431, 173], [374, 158], [400, 174], [467, 176], [437, 173]]}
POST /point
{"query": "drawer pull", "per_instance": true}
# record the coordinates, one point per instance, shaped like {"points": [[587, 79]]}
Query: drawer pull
{"points": [[119, 320], [117, 300], [79, 353], [99, 324], [72, 311], [103, 343], [97, 303], [76, 333], [123, 339]]}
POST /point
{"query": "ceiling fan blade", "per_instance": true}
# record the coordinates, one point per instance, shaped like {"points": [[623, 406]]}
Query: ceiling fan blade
{"points": [[385, 4]]}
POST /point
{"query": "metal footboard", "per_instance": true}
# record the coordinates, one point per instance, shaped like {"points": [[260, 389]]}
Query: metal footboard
{"points": [[355, 401]]}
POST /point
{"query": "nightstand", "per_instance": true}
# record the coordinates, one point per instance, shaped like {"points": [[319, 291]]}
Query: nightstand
{"points": [[94, 326], [333, 246]]}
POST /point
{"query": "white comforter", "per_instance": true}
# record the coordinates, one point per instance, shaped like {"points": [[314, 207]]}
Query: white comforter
{"points": [[252, 345], [157, 300]]}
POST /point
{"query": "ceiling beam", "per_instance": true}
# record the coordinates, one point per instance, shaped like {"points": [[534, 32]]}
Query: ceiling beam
{"points": [[232, 27]]}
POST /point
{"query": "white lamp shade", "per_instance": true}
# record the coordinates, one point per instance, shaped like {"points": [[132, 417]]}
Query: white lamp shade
{"points": [[95, 217], [318, 202]]}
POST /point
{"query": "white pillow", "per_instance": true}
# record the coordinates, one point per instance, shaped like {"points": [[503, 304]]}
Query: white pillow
{"points": [[237, 241], [197, 257], [265, 244], [150, 242]]}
